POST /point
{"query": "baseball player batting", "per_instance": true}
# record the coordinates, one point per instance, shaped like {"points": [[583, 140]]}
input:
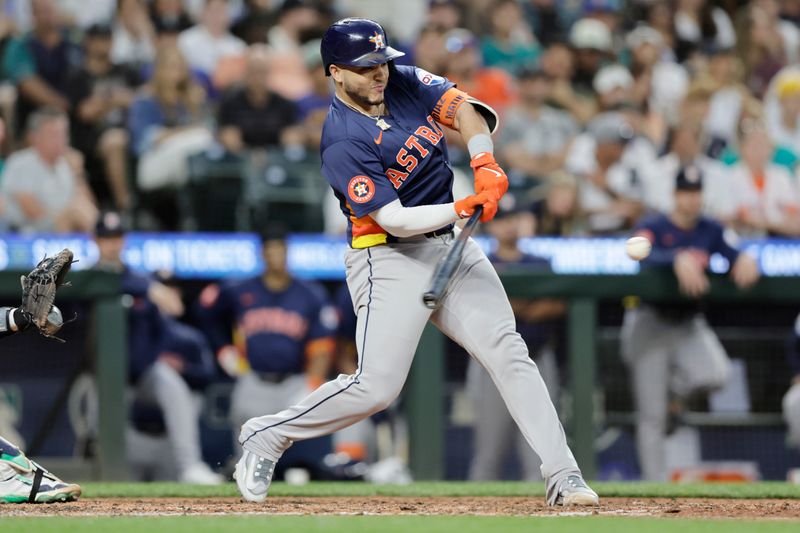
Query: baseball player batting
{"points": [[384, 155]]}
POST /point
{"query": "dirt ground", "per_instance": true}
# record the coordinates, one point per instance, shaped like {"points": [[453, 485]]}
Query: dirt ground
{"points": [[381, 505]]}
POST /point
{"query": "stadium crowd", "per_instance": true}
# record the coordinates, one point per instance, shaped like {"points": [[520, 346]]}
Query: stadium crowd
{"points": [[603, 105]]}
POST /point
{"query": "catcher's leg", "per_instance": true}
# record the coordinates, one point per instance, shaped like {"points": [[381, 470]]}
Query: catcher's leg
{"points": [[24, 481]]}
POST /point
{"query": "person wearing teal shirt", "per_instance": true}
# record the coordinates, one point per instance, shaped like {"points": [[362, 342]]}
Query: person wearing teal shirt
{"points": [[510, 46]]}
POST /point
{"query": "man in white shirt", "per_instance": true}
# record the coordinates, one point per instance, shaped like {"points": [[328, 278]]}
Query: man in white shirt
{"points": [[42, 189], [610, 163], [205, 44], [684, 151]]}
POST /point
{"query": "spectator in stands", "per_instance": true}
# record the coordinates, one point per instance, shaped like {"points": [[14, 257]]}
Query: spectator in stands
{"points": [[685, 149], [545, 20], [494, 432], [169, 14], [725, 72], [700, 25], [765, 193], [100, 93], [39, 62], [429, 51], [166, 123], [613, 85], [610, 171], [445, 14], [558, 62], [210, 41], [254, 117], [783, 111], [671, 350], [166, 359], [313, 107], [283, 343], [464, 67], [510, 45], [765, 43], [294, 17], [660, 82], [256, 21], [535, 137], [43, 186], [557, 214], [593, 44], [134, 35]]}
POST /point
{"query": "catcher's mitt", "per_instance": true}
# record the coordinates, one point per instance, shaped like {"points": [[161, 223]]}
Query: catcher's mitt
{"points": [[39, 291]]}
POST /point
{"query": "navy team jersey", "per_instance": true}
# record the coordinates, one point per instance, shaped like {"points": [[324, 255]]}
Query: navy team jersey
{"points": [[368, 167], [706, 238], [276, 327]]}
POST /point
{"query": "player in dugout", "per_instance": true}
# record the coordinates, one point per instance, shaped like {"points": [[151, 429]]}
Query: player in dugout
{"points": [[23, 480]]}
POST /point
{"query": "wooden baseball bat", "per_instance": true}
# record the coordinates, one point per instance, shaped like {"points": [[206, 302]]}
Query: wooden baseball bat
{"points": [[449, 263]]}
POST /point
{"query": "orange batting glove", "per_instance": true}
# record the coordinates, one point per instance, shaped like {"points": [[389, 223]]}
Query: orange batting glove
{"points": [[466, 206], [488, 175]]}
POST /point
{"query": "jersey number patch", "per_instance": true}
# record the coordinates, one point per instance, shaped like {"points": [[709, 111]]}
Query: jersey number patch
{"points": [[361, 189]]}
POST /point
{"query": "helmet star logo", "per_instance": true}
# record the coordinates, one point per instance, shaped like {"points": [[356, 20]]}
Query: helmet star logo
{"points": [[377, 40]]}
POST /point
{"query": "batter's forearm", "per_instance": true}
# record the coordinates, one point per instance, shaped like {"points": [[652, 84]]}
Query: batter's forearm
{"points": [[469, 122], [407, 221]]}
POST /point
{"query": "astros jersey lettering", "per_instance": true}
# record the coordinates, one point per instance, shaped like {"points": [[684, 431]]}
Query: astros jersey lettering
{"points": [[368, 167]]}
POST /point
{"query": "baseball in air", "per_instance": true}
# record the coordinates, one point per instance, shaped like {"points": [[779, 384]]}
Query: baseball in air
{"points": [[638, 247]]}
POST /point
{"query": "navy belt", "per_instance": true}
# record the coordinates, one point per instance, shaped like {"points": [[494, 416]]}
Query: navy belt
{"points": [[274, 377], [447, 230]]}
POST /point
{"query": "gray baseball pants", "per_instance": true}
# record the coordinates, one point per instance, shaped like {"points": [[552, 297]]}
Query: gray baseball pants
{"points": [[386, 283], [665, 356]]}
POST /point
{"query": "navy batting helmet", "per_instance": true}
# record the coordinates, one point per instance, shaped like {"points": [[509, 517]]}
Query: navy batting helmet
{"points": [[356, 42]]}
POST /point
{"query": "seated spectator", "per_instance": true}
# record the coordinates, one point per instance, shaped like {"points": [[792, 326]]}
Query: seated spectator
{"points": [[660, 82], [610, 171], [294, 17], [699, 25], [464, 68], [205, 44], [546, 20], [252, 116], [783, 111], [557, 214], [730, 98], [170, 14], [253, 26], [43, 186], [166, 123], [613, 85], [535, 137], [166, 360], [313, 107], [100, 94], [134, 35], [39, 62], [685, 149], [429, 51], [558, 62], [765, 194], [510, 45], [593, 44], [446, 14]]}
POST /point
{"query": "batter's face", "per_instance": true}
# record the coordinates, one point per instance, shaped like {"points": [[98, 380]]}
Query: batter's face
{"points": [[361, 86]]}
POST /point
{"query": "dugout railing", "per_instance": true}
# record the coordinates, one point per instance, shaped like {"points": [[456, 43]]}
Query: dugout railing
{"points": [[425, 392], [426, 388]]}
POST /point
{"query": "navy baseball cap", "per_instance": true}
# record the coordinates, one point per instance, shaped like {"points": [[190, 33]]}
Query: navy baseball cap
{"points": [[109, 224], [689, 178]]}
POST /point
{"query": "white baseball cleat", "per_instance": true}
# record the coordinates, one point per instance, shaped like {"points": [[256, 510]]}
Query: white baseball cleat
{"points": [[574, 491], [24, 481], [253, 475]]}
